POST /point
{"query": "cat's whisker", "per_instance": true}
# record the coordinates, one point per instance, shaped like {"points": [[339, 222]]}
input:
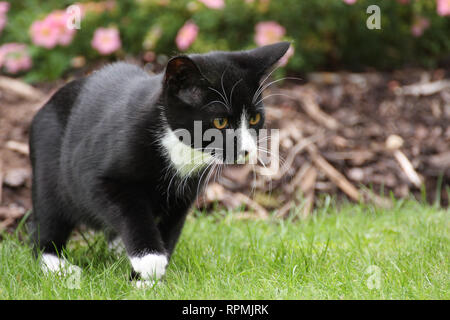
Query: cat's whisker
{"points": [[175, 173], [199, 183], [208, 177], [232, 89], [221, 95], [273, 82], [274, 94], [183, 184], [215, 101], [270, 153], [262, 83], [212, 162], [265, 167], [218, 173], [223, 87]]}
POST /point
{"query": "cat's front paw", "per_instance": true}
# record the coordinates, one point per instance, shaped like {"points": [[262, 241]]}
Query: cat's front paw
{"points": [[150, 266], [50, 263]]}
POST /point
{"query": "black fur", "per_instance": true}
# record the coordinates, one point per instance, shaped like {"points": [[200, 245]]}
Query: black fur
{"points": [[95, 148]]}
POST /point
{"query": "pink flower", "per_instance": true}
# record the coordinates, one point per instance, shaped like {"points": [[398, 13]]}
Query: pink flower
{"points": [[349, 1], [14, 57], [268, 32], [419, 26], [106, 40], [58, 20], [443, 7], [4, 7], [213, 4], [186, 35], [52, 30], [403, 1], [284, 60], [43, 34]]}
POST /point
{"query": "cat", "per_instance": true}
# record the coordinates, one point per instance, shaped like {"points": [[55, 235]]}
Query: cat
{"points": [[105, 150]]}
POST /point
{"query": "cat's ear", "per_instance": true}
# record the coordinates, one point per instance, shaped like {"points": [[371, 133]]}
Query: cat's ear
{"points": [[181, 70], [261, 59], [184, 80]]}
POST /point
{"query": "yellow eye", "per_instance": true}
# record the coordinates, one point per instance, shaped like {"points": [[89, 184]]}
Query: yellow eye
{"points": [[255, 120], [220, 123]]}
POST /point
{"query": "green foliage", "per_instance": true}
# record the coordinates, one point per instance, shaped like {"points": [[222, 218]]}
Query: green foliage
{"points": [[326, 34]]}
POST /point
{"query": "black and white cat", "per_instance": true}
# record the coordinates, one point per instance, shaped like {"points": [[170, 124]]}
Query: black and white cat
{"points": [[105, 150]]}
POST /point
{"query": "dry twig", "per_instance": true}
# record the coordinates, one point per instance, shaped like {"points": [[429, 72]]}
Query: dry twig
{"points": [[307, 187], [334, 175], [19, 147], [307, 100], [423, 89], [20, 89]]}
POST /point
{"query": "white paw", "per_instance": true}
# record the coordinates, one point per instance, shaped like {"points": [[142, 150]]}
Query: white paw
{"points": [[51, 263], [150, 266]]}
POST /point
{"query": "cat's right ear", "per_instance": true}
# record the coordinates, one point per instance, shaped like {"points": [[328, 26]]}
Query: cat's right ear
{"points": [[262, 59], [181, 71]]}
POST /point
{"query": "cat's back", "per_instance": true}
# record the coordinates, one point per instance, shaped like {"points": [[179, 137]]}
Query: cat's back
{"points": [[108, 100], [113, 81], [112, 87]]}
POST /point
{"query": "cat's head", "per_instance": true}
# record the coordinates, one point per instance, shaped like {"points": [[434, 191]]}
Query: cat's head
{"points": [[216, 97]]}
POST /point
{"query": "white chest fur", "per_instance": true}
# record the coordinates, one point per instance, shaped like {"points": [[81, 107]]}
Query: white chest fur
{"points": [[185, 159]]}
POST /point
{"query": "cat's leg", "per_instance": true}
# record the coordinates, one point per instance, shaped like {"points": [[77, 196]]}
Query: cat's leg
{"points": [[130, 214], [171, 228], [144, 246], [49, 236], [50, 219]]}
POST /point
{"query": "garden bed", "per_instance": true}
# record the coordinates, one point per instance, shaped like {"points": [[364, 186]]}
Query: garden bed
{"points": [[361, 136]]}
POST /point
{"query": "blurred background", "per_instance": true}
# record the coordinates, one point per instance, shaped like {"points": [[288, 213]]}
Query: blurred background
{"points": [[363, 111]]}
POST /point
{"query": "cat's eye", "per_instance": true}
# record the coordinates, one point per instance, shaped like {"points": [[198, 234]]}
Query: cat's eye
{"points": [[255, 119], [220, 123]]}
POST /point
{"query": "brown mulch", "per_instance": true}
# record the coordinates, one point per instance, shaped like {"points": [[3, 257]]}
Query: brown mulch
{"points": [[361, 136]]}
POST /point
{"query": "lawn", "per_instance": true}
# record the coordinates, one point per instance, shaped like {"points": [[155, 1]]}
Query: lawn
{"points": [[346, 251]]}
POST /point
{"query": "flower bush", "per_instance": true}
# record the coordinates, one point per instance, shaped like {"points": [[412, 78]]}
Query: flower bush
{"points": [[14, 57], [325, 34], [52, 30]]}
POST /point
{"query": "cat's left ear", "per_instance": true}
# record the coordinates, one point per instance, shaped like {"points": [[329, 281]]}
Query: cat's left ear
{"points": [[184, 80], [261, 59], [182, 71]]}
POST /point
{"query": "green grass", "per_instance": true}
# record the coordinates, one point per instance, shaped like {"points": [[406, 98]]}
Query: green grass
{"points": [[328, 256]]}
